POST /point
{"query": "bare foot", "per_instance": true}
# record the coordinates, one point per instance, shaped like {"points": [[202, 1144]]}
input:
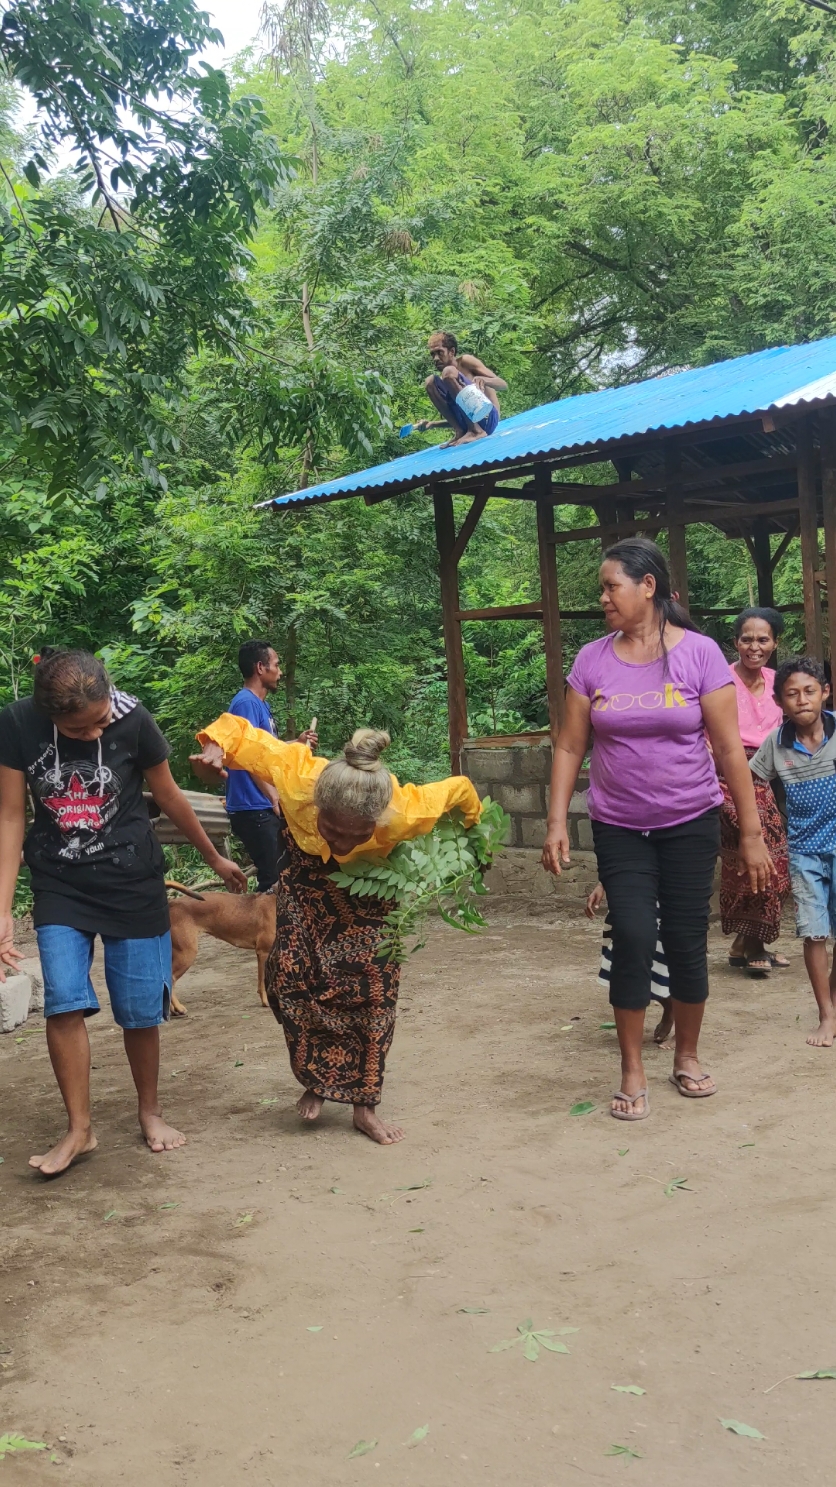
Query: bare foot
{"points": [[160, 1136], [67, 1151], [823, 1036], [471, 436], [631, 1083], [310, 1105], [663, 1026], [369, 1124]]}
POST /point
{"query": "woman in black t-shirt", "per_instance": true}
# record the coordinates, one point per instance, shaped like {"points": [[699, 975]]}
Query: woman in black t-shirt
{"points": [[82, 749]]}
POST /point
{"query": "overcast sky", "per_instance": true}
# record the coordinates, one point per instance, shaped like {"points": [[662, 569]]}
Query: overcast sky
{"points": [[237, 19]]}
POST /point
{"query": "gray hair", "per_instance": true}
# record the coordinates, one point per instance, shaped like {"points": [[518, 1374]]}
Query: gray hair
{"points": [[357, 782]]}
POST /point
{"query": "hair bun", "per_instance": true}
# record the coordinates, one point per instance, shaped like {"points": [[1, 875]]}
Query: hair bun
{"points": [[365, 749]]}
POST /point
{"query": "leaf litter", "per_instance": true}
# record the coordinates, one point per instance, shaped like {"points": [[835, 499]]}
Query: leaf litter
{"points": [[738, 1428], [9, 1443], [583, 1107], [625, 1451], [627, 1389], [361, 1449], [418, 1435], [532, 1339]]}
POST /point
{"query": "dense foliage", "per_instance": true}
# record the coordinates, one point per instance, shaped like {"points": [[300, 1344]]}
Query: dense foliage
{"points": [[213, 290], [443, 872]]}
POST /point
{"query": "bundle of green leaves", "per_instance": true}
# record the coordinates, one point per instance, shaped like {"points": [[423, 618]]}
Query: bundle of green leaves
{"points": [[442, 871]]}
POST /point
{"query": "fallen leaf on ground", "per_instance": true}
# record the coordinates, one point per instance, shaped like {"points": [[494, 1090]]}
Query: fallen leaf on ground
{"points": [[314, 1329], [677, 1186], [568, 1028], [244, 1218], [11, 1442], [737, 1428], [818, 1373], [624, 1150], [583, 1107], [165, 1206], [239, 1064], [627, 1389], [268, 1102], [336, 1190], [418, 1435], [607, 1025], [361, 1449], [532, 1340], [624, 1451], [416, 1231], [475, 1311], [110, 1215], [414, 1187]]}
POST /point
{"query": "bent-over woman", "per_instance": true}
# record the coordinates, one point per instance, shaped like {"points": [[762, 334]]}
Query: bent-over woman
{"points": [[754, 918], [333, 996], [648, 692]]}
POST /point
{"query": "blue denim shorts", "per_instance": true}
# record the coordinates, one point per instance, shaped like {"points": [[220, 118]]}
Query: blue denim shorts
{"points": [[813, 876], [137, 972]]}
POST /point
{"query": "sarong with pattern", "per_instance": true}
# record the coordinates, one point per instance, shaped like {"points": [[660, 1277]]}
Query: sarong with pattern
{"points": [[743, 912], [334, 1000]]}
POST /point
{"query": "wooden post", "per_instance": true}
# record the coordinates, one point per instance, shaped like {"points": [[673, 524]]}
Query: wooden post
{"points": [[550, 603], [762, 554], [809, 529], [445, 536], [676, 523], [828, 498]]}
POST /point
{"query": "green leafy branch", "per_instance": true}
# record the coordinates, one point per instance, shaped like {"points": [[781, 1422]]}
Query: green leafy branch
{"points": [[441, 871]]}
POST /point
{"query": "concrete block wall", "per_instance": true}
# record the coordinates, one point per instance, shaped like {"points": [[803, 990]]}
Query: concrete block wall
{"points": [[517, 775]]}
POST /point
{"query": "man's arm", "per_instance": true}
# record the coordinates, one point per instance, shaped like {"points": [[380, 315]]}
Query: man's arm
{"points": [[481, 374]]}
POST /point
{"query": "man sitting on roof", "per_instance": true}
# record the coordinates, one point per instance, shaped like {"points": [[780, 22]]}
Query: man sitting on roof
{"points": [[463, 390]]}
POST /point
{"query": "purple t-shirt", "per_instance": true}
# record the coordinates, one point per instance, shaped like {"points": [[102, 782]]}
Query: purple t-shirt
{"points": [[650, 763]]}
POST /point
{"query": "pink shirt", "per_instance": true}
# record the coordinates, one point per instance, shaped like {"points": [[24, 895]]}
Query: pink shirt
{"points": [[757, 716], [650, 766]]}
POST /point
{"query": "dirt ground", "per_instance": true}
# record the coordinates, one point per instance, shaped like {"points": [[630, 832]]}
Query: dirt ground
{"points": [[249, 1309]]}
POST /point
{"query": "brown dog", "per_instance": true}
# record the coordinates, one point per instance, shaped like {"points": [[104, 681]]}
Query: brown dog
{"points": [[246, 920]]}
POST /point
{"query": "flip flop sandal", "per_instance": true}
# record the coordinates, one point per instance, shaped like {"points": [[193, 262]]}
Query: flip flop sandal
{"points": [[631, 1100], [679, 1075], [778, 963], [737, 962], [757, 972]]}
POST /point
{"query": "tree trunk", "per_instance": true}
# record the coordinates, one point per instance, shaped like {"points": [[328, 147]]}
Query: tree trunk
{"points": [[291, 729]]}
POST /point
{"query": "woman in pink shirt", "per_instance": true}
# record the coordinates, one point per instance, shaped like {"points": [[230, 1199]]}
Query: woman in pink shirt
{"points": [[648, 693], [754, 918]]}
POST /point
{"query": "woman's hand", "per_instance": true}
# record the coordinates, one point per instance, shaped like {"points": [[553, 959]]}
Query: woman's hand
{"points": [[754, 859], [595, 900], [208, 766], [234, 879], [556, 849], [8, 955]]}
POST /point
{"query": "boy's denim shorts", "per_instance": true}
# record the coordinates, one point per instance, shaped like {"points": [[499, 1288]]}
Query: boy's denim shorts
{"points": [[813, 876], [137, 972]]}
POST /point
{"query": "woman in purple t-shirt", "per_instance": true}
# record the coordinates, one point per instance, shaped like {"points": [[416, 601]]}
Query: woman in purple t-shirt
{"points": [[649, 692]]}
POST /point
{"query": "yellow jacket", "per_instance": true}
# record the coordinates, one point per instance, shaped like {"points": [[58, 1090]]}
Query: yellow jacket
{"points": [[293, 769]]}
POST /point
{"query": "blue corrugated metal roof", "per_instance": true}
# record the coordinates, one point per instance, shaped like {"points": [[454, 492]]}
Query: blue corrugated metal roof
{"points": [[747, 384]]}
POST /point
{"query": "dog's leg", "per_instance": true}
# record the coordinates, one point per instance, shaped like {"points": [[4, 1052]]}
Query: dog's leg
{"points": [[184, 938], [261, 956]]}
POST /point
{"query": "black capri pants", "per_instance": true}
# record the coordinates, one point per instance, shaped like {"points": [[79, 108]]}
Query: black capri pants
{"points": [[674, 869]]}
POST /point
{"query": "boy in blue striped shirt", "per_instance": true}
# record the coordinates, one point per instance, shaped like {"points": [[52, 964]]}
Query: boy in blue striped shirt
{"points": [[802, 754]]}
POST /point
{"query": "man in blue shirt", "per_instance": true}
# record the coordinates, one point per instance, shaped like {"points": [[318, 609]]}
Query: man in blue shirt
{"points": [[253, 808]]}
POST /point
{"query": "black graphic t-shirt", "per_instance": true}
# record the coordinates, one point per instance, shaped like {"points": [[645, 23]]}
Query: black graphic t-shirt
{"points": [[95, 861]]}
